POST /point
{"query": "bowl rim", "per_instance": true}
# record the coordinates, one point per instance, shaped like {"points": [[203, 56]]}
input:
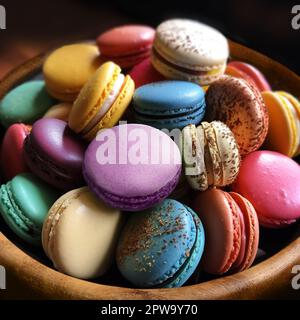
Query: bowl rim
{"points": [[270, 276]]}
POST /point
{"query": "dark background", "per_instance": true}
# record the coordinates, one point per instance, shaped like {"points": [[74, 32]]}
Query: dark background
{"points": [[34, 26]]}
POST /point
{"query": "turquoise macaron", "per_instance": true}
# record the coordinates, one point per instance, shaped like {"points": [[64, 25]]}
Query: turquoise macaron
{"points": [[25, 103], [161, 246], [169, 104], [24, 204]]}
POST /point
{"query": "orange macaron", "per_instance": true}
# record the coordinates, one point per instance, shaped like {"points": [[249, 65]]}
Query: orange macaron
{"points": [[284, 127]]}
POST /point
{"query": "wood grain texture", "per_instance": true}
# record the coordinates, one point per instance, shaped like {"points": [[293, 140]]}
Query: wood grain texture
{"points": [[28, 278]]}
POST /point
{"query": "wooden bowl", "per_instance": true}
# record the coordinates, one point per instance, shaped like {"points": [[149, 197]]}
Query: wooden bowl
{"points": [[29, 278]]}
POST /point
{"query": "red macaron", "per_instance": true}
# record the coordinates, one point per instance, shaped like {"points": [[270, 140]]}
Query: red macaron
{"points": [[144, 73], [249, 73], [126, 45], [231, 231], [12, 159]]}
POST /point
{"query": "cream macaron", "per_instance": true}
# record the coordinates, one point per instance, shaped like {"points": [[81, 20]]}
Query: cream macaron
{"points": [[211, 155], [80, 233], [189, 50]]}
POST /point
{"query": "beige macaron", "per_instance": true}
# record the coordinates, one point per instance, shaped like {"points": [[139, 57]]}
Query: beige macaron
{"points": [[80, 233], [59, 111], [211, 155]]}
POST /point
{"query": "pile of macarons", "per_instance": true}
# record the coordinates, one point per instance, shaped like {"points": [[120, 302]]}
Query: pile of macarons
{"points": [[149, 151]]}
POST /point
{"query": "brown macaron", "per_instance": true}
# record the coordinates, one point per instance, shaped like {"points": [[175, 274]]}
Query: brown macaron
{"points": [[239, 104]]}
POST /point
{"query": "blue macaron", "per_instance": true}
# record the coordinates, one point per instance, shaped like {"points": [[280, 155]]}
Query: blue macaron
{"points": [[169, 104], [161, 246]]}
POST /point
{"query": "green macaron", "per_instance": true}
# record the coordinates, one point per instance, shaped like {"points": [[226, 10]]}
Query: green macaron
{"points": [[24, 204], [25, 103]]}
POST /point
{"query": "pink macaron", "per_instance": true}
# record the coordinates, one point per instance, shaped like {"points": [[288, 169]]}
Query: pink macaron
{"points": [[231, 231], [249, 73], [126, 45], [12, 149], [271, 182], [144, 73]]}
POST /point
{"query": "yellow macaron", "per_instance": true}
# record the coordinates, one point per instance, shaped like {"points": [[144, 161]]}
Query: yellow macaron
{"points": [[68, 68], [284, 122], [102, 101]]}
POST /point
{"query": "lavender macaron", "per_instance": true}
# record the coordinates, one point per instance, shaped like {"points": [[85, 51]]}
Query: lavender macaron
{"points": [[132, 167], [55, 154]]}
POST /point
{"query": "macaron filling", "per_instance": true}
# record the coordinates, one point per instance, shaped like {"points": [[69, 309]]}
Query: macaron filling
{"points": [[107, 103], [192, 70]]}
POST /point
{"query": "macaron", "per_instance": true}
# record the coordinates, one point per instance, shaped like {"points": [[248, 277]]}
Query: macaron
{"points": [[169, 104], [59, 111], [144, 73], [126, 45], [231, 228], [132, 167], [55, 154], [189, 50], [80, 234], [102, 101], [271, 182], [240, 105], [12, 151], [249, 73], [210, 154], [284, 124], [24, 204], [161, 246], [68, 68], [25, 103]]}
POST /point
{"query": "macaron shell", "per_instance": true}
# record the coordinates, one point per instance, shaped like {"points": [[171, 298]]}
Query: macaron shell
{"points": [[296, 104], [12, 157], [144, 73], [83, 239], [127, 39], [155, 244], [229, 152], [240, 106], [270, 181], [116, 111], [257, 77], [27, 205], [193, 157], [251, 230], [217, 167], [183, 40], [221, 224], [68, 68], [142, 182], [281, 134], [92, 95], [55, 154], [25, 103]]}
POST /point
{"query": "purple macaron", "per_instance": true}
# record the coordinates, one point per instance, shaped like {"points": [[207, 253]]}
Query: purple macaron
{"points": [[55, 154], [132, 167]]}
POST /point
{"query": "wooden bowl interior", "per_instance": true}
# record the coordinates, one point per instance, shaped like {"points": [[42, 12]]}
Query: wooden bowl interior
{"points": [[28, 267]]}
